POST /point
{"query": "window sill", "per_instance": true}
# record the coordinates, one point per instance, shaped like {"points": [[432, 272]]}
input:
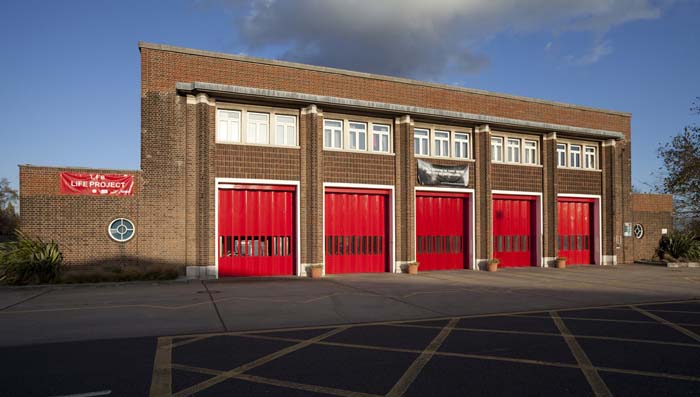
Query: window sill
{"points": [[325, 149], [579, 169], [518, 164], [259, 145], [444, 158]]}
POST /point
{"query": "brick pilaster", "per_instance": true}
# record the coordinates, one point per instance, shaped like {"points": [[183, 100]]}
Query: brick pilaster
{"points": [[405, 165], [550, 190], [311, 195]]}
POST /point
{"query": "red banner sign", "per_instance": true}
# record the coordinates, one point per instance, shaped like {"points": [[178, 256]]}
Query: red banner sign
{"points": [[97, 184]]}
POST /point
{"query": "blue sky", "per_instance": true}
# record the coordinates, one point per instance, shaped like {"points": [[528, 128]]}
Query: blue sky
{"points": [[70, 69]]}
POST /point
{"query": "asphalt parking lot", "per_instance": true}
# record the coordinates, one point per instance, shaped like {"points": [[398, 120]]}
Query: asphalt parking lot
{"points": [[621, 351], [624, 331], [627, 350]]}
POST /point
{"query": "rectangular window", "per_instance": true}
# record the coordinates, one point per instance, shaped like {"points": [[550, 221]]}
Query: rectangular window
{"points": [[530, 152], [497, 149], [420, 142], [589, 159], [332, 134], [441, 143], [285, 130], [561, 154], [258, 128], [228, 128], [357, 136], [461, 146], [575, 156], [380, 138], [513, 150]]}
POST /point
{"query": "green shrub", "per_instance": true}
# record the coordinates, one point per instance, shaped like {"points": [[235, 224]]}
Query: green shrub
{"points": [[679, 246], [29, 261]]}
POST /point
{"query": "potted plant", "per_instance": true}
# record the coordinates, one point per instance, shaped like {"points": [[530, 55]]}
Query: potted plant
{"points": [[492, 264], [316, 271], [413, 267], [561, 262]]}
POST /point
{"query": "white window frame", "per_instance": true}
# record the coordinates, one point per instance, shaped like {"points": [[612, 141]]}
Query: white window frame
{"points": [[534, 152], [513, 149], [257, 124], [229, 123], [440, 143], [358, 139], [562, 153], [422, 139], [461, 143], [497, 148], [381, 134], [336, 142], [578, 154], [590, 157], [285, 132]]}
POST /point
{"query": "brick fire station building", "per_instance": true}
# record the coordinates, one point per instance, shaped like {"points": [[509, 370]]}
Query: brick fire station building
{"points": [[259, 167]]}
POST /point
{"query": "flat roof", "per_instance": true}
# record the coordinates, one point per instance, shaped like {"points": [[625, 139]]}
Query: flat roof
{"points": [[245, 58]]}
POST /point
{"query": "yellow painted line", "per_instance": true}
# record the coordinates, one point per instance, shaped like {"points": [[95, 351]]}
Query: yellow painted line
{"points": [[303, 386], [192, 340], [161, 378], [253, 364], [597, 384], [650, 374], [578, 336], [623, 309], [277, 382], [189, 368], [608, 320], [677, 327], [419, 363]]}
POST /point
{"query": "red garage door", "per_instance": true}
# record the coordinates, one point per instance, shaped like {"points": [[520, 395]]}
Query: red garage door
{"points": [[356, 230], [575, 230], [256, 231], [441, 230], [514, 230]]}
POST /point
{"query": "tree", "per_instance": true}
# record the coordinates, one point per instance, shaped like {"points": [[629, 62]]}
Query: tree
{"points": [[681, 158], [8, 217]]}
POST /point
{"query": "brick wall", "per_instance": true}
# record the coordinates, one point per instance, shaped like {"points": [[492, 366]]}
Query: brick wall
{"points": [[516, 177], [654, 212], [162, 67], [77, 223], [581, 182]]}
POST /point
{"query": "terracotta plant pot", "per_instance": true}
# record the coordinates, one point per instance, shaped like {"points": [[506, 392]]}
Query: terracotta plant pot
{"points": [[561, 263], [492, 266], [412, 268], [316, 272]]}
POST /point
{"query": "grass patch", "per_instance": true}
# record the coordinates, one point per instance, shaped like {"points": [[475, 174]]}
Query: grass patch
{"points": [[105, 274]]}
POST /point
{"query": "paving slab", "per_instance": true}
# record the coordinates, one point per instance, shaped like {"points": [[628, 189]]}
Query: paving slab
{"points": [[72, 313]]}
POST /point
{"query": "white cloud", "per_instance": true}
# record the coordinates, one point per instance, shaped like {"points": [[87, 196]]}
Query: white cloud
{"points": [[422, 38], [596, 53]]}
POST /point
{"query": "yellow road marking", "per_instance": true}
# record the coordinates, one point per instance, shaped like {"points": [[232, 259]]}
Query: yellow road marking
{"points": [[503, 331], [253, 364], [161, 378], [597, 384], [419, 363], [677, 327]]}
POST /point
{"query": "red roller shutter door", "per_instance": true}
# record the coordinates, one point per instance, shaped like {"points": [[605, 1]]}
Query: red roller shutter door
{"points": [[514, 230], [575, 230], [356, 230], [441, 230], [256, 231]]}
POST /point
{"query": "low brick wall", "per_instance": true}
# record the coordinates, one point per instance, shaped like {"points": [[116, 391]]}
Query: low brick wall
{"points": [[654, 212], [78, 223]]}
